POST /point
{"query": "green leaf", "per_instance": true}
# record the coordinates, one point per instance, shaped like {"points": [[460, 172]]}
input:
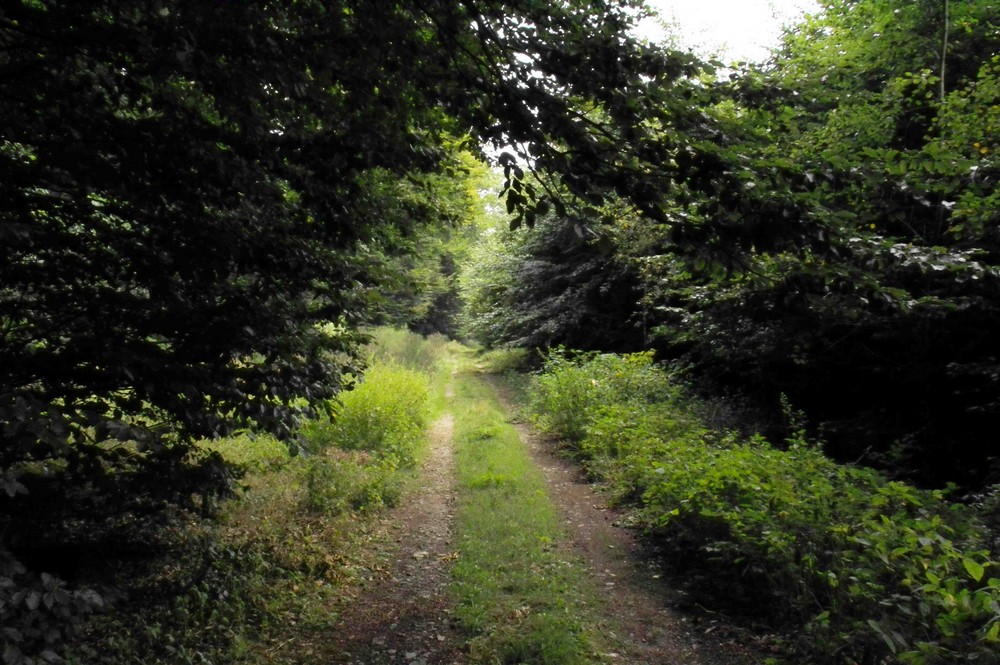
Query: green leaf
{"points": [[974, 569], [885, 636]]}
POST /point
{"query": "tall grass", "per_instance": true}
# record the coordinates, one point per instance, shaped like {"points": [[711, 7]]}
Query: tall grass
{"points": [[402, 347], [519, 593]]}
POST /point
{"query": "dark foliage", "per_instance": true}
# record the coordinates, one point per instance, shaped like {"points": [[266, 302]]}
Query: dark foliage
{"points": [[559, 287], [188, 241], [184, 187]]}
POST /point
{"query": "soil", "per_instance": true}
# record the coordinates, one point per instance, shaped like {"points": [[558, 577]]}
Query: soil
{"points": [[405, 616]]}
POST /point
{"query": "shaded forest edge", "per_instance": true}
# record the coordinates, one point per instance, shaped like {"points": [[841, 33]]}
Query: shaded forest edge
{"points": [[856, 567], [832, 250], [275, 565]]}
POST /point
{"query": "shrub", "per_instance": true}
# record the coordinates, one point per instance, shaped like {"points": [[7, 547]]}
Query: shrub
{"points": [[384, 415], [868, 565], [871, 569], [498, 361], [571, 387], [38, 613], [197, 604], [250, 451], [188, 590], [340, 482]]}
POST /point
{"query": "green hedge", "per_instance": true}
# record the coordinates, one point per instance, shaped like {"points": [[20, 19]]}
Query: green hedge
{"points": [[865, 569]]}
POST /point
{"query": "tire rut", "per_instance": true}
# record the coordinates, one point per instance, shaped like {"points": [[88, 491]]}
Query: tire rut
{"points": [[639, 625], [405, 617]]}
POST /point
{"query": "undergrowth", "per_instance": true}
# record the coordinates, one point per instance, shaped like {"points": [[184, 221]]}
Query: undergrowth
{"points": [[279, 557], [864, 570], [393, 345]]}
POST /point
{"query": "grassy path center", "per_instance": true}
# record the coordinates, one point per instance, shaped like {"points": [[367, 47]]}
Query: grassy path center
{"points": [[519, 593]]}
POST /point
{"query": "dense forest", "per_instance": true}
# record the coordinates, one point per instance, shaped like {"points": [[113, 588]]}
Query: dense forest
{"points": [[825, 239], [205, 207]]}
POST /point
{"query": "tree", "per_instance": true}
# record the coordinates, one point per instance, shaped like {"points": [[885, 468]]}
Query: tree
{"points": [[191, 230], [876, 320], [558, 284], [430, 222], [193, 196], [820, 231]]}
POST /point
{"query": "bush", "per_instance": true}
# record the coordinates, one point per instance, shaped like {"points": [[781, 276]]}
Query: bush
{"points": [[871, 569], [341, 482], [384, 415], [250, 451], [571, 388], [377, 430], [180, 589], [38, 613], [199, 603], [499, 361]]}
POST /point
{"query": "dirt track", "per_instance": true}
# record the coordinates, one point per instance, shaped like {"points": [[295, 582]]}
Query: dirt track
{"points": [[405, 616]]}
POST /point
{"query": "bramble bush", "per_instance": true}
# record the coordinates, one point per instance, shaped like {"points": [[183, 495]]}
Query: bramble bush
{"points": [[38, 612], [865, 570]]}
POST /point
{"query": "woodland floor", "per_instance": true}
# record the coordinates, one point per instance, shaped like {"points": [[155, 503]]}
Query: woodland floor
{"points": [[405, 615]]}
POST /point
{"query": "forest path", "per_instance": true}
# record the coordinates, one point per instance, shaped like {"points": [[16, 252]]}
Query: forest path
{"points": [[405, 617], [635, 616]]}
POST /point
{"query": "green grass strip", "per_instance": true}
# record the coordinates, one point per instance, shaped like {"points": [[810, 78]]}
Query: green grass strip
{"points": [[519, 594]]}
